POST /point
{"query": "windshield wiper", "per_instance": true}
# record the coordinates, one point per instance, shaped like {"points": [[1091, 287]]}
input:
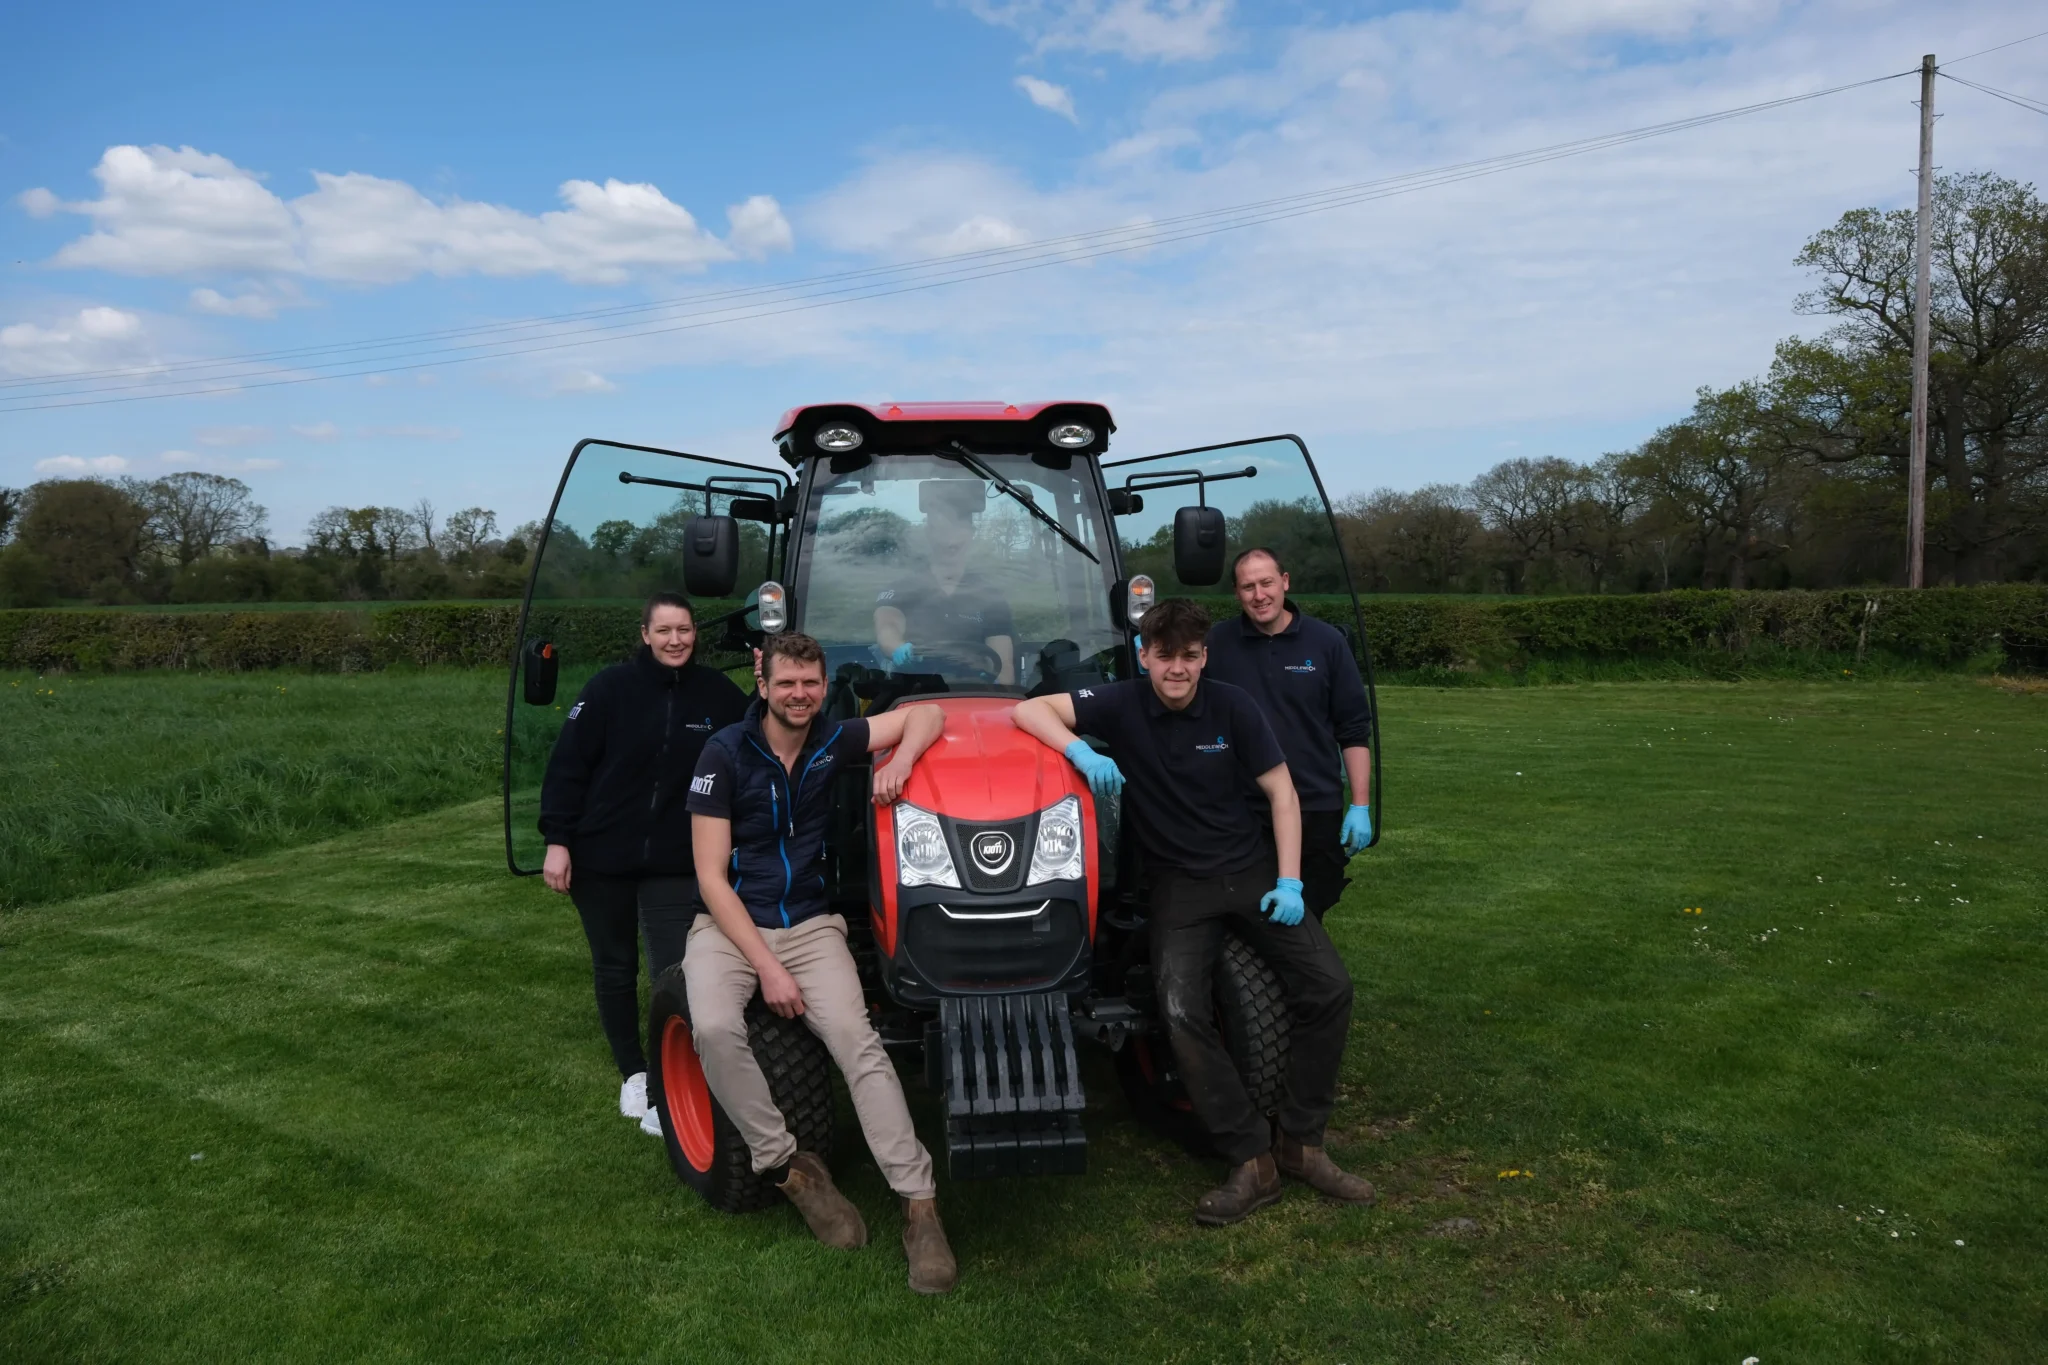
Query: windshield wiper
{"points": [[1023, 499]]}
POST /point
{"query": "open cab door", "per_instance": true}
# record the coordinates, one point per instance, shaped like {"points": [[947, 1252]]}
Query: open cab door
{"points": [[627, 521], [1182, 515]]}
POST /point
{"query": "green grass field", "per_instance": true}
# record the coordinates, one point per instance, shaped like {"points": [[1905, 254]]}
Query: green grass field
{"points": [[118, 777], [349, 1100]]}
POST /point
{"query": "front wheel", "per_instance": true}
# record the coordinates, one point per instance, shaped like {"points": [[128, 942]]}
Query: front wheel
{"points": [[1251, 1014], [704, 1146]]}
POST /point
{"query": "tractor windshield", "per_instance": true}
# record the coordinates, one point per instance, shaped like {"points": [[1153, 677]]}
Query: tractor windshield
{"points": [[917, 564]]}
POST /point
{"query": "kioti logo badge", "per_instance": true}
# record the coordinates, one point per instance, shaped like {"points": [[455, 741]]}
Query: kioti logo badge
{"points": [[993, 850]]}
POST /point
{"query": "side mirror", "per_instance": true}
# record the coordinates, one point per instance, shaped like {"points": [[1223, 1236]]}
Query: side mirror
{"points": [[711, 556], [1198, 546], [1123, 502], [755, 509], [539, 667]]}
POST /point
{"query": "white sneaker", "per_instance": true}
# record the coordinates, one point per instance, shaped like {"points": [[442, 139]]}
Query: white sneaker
{"points": [[633, 1095], [650, 1122]]}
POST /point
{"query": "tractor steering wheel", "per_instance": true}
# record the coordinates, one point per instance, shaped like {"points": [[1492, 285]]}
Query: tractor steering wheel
{"points": [[958, 656]]}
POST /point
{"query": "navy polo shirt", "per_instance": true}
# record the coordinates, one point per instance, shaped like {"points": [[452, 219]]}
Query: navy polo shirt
{"points": [[973, 612], [1188, 775], [779, 816], [1306, 681]]}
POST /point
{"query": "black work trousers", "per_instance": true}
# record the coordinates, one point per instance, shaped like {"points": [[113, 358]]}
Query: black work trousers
{"points": [[1189, 917], [618, 914], [1323, 860]]}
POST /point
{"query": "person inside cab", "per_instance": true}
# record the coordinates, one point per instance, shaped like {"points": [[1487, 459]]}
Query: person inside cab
{"points": [[946, 617]]}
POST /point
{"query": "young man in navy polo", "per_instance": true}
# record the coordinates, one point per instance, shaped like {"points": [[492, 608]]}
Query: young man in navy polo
{"points": [[1195, 752], [759, 807], [1303, 675]]}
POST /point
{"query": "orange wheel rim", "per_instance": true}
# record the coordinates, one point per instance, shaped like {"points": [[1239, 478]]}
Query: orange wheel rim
{"points": [[685, 1094]]}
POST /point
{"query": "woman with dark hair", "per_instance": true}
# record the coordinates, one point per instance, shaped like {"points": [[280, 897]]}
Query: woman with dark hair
{"points": [[618, 834]]}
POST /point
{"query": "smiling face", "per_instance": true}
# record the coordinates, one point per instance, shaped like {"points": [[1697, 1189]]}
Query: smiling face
{"points": [[795, 690], [1174, 673], [671, 632], [1261, 590]]}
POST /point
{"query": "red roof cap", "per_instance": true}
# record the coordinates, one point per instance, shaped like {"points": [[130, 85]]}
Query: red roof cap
{"points": [[931, 412]]}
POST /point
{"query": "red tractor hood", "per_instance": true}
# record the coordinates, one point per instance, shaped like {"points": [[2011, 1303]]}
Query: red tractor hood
{"points": [[984, 768]]}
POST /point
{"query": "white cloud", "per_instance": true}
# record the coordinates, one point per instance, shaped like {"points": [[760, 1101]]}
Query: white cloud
{"points": [[1141, 30], [213, 464], [582, 381], [757, 228], [260, 304], [317, 431], [407, 432], [233, 436], [39, 203], [166, 211], [73, 464], [1053, 98], [1409, 336], [96, 338]]}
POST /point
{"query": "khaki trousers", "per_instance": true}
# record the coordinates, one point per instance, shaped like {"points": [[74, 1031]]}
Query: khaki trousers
{"points": [[721, 982]]}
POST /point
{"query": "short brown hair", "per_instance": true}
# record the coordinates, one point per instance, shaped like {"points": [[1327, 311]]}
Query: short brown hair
{"points": [[1175, 624], [793, 646], [1255, 550]]}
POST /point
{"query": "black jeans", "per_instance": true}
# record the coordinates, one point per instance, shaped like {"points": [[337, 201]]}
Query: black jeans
{"points": [[1323, 860], [618, 912], [1189, 917]]}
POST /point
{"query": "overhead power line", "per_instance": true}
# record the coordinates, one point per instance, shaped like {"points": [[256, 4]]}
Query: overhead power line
{"points": [[2034, 105], [422, 350], [1971, 56]]}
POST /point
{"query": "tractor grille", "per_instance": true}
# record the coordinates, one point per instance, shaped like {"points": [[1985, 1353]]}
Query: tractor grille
{"points": [[994, 858]]}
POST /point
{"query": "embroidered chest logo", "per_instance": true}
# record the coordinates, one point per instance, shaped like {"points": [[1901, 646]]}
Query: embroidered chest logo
{"points": [[1218, 747], [703, 726], [1305, 666]]}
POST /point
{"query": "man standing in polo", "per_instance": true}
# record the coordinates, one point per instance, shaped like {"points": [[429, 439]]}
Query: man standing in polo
{"points": [[1303, 675], [1194, 751], [760, 804]]}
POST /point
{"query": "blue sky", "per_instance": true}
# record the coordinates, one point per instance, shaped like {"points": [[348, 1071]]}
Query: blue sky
{"points": [[483, 164]]}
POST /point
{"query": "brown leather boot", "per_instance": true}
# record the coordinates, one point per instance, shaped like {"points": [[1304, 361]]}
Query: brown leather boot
{"points": [[1312, 1166], [832, 1217], [1246, 1190], [932, 1267]]}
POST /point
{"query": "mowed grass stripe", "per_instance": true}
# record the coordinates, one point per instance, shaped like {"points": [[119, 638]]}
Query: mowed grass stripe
{"points": [[386, 1050]]}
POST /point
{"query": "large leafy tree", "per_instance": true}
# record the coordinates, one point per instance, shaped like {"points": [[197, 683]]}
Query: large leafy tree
{"points": [[1845, 399]]}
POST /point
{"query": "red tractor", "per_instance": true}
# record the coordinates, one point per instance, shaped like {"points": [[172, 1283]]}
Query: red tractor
{"points": [[995, 908]]}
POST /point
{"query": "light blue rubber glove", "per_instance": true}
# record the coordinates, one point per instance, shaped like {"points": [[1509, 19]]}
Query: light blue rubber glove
{"points": [[1282, 904], [902, 654], [1105, 779], [1357, 831]]}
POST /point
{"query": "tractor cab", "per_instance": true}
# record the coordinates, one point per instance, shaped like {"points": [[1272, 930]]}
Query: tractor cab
{"points": [[966, 555]]}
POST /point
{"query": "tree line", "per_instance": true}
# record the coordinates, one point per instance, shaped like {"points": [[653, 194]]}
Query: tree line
{"points": [[200, 537], [1796, 478]]}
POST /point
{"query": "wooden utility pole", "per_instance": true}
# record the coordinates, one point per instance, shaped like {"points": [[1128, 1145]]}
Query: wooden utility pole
{"points": [[1916, 462]]}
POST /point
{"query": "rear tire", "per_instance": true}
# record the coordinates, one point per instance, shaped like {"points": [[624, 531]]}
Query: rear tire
{"points": [[1251, 1014], [705, 1148]]}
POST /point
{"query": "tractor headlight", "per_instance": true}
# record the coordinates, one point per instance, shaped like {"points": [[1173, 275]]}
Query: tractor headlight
{"points": [[1057, 857], [1070, 435], [922, 858], [838, 436]]}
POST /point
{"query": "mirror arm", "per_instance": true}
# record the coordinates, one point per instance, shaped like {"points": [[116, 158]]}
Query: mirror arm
{"points": [[1179, 478]]}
